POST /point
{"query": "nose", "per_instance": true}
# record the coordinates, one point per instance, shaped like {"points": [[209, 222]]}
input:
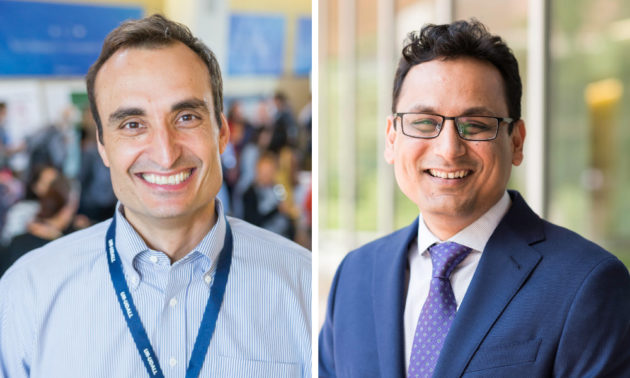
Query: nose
{"points": [[165, 146], [448, 144]]}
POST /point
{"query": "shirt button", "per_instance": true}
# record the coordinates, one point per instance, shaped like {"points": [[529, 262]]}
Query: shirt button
{"points": [[172, 302], [153, 259], [207, 278], [134, 281], [172, 361]]}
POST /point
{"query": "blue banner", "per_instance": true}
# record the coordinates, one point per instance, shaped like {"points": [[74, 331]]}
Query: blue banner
{"points": [[303, 43], [256, 45], [52, 39]]}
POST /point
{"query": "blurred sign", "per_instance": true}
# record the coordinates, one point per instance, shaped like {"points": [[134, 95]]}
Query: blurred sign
{"points": [[256, 45], [302, 61], [52, 39]]}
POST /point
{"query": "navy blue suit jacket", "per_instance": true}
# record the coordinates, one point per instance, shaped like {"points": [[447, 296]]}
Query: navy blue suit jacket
{"points": [[543, 302]]}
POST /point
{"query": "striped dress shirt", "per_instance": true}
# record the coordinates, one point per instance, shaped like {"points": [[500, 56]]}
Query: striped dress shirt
{"points": [[59, 316]]}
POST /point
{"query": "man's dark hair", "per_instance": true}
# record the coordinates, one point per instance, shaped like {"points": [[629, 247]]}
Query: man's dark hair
{"points": [[154, 32], [456, 40]]}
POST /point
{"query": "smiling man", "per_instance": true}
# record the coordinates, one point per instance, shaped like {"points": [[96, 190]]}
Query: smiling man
{"points": [[169, 286], [478, 285]]}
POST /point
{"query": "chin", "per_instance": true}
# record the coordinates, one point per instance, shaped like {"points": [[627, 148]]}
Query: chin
{"points": [[160, 210], [449, 206]]}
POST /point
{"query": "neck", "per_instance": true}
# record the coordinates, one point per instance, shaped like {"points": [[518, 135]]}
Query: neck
{"points": [[443, 230], [445, 226], [175, 236]]}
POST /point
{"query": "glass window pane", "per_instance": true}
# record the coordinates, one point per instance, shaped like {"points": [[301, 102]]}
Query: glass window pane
{"points": [[367, 122], [589, 175]]}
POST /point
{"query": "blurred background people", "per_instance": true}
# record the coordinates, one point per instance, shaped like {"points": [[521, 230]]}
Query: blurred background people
{"points": [[4, 136], [283, 130], [53, 144], [57, 205], [264, 202], [24, 210], [97, 202], [11, 190]]}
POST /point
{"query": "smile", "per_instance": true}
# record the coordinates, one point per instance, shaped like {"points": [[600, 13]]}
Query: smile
{"points": [[167, 180], [449, 175]]}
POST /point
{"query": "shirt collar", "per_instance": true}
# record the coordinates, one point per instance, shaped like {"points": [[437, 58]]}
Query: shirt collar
{"points": [[130, 244], [475, 235]]}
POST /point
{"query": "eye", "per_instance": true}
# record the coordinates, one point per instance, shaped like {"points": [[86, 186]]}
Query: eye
{"points": [[424, 121], [420, 123], [188, 117], [131, 125]]}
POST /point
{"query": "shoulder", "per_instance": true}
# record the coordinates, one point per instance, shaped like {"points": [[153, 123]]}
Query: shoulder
{"points": [[572, 251], [258, 242], [32, 286], [566, 258], [379, 258], [558, 246], [391, 244], [270, 267], [57, 260]]}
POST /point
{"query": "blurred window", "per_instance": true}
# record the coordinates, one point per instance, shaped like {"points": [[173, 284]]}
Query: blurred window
{"points": [[588, 161]]}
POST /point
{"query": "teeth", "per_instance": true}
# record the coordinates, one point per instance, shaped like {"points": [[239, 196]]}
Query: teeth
{"points": [[166, 180], [448, 175]]}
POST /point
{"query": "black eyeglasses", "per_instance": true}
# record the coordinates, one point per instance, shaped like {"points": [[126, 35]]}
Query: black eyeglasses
{"points": [[429, 126]]}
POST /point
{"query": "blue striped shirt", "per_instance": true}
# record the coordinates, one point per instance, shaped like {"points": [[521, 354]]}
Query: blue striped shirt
{"points": [[59, 316]]}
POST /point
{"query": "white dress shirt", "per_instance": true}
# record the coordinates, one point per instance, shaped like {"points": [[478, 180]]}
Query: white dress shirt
{"points": [[474, 236]]}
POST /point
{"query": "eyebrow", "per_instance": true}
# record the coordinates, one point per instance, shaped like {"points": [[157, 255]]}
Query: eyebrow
{"points": [[122, 113], [479, 110], [191, 103], [476, 110]]}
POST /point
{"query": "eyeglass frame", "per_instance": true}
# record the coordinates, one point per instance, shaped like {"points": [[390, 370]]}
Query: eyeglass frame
{"points": [[440, 127]]}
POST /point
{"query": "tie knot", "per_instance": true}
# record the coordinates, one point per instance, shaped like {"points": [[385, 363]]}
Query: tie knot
{"points": [[446, 256]]}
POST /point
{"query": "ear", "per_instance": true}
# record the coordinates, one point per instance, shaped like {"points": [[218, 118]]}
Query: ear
{"points": [[390, 139], [518, 138], [224, 134], [102, 152]]}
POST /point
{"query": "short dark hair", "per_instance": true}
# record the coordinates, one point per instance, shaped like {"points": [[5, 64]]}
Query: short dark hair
{"points": [[154, 32], [456, 40], [55, 198], [280, 96]]}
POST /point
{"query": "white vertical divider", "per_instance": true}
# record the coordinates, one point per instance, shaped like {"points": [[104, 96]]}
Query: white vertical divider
{"points": [[444, 11], [537, 92]]}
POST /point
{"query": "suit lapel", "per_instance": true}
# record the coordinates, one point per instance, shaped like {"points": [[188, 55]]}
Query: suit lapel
{"points": [[506, 263], [388, 286]]}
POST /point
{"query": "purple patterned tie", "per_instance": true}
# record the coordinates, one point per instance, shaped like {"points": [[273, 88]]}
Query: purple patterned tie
{"points": [[438, 311]]}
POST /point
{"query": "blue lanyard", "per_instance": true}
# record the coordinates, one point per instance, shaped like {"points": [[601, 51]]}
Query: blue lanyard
{"points": [[210, 315]]}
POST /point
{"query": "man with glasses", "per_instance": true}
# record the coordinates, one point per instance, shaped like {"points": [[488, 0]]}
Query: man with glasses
{"points": [[478, 285]]}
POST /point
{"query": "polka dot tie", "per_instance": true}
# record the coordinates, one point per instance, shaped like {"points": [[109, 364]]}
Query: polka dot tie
{"points": [[438, 311]]}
